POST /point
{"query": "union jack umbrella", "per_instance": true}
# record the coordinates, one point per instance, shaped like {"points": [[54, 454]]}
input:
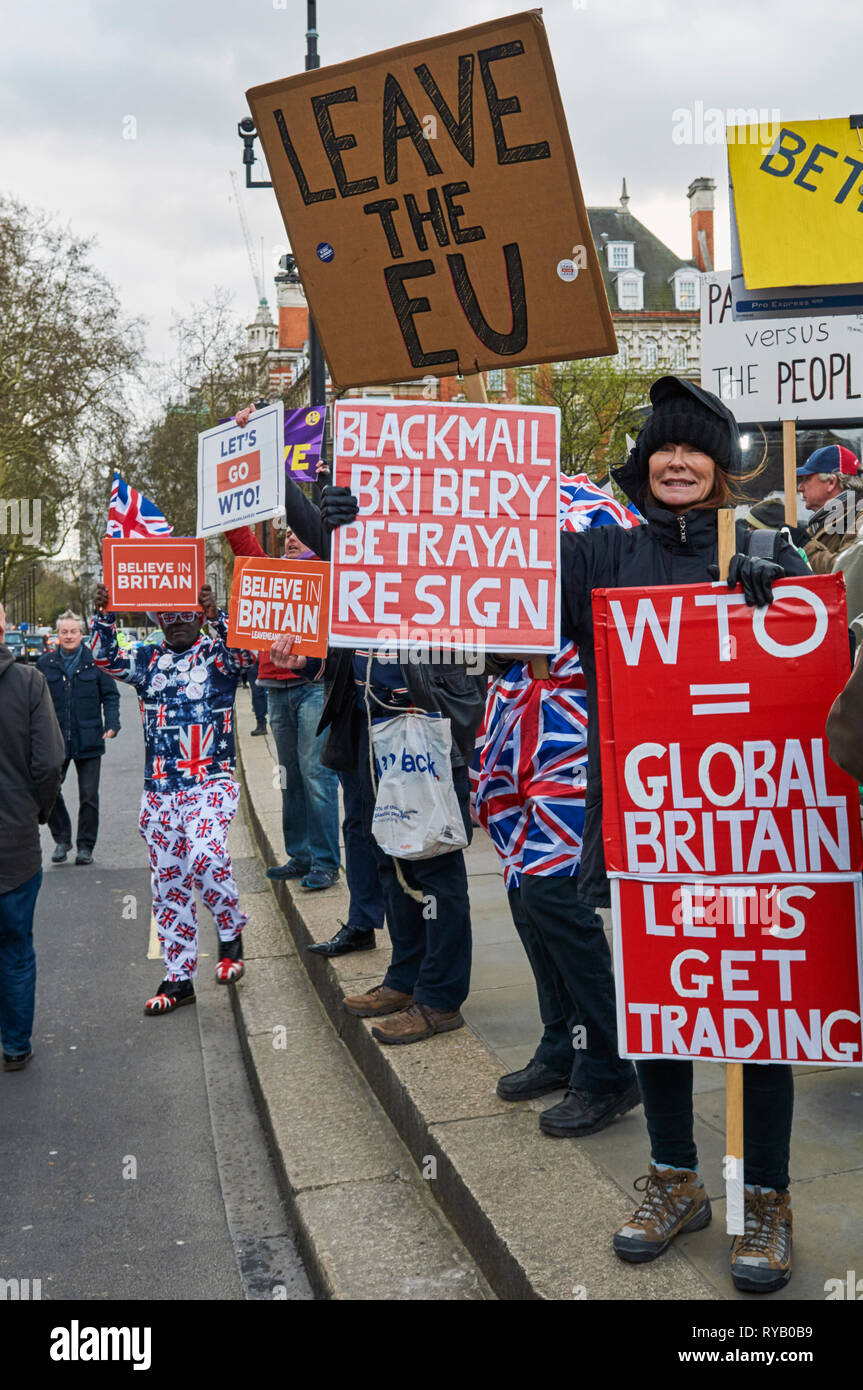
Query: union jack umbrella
{"points": [[532, 774], [130, 513]]}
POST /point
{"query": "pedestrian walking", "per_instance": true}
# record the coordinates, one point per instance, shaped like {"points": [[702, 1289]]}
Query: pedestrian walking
{"points": [[310, 791], [685, 465], [87, 705], [530, 795], [186, 686], [32, 756]]}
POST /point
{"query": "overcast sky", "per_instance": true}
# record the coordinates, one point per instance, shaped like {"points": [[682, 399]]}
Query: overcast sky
{"points": [[160, 204]]}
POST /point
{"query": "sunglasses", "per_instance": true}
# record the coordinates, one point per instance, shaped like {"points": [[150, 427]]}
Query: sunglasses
{"points": [[168, 619]]}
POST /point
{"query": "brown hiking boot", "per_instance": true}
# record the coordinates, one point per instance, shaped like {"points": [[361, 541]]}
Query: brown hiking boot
{"points": [[416, 1022], [377, 1001], [761, 1257], [675, 1200]]}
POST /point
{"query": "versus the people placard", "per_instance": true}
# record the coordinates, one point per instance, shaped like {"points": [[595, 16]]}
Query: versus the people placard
{"points": [[805, 369], [725, 819], [241, 472], [457, 540], [274, 598], [432, 202], [304, 434], [153, 574]]}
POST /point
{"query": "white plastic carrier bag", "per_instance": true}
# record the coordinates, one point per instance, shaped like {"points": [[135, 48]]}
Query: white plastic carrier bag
{"points": [[417, 814]]}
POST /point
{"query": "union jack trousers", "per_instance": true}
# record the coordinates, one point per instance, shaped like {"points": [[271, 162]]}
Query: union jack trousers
{"points": [[185, 832]]}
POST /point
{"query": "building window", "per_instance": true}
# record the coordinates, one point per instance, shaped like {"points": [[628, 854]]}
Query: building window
{"points": [[622, 354], [678, 357], [621, 255], [495, 380], [687, 293], [629, 292], [649, 356]]}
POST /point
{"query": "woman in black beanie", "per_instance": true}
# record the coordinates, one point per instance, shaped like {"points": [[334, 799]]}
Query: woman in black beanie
{"points": [[685, 465]]}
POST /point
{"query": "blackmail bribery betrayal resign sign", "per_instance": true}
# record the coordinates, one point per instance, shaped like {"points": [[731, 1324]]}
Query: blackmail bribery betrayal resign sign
{"points": [[457, 541], [732, 840], [432, 201]]}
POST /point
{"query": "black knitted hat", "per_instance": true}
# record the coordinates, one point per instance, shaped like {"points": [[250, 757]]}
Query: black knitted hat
{"points": [[683, 413]]}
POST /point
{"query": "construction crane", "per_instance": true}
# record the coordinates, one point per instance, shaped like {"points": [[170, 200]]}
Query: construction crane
{"points": [[257, 275]]}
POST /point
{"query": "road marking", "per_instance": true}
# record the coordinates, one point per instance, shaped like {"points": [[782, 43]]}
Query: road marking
{"points": [[153, 949]]}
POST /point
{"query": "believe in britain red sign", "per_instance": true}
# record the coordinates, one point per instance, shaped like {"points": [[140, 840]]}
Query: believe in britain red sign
{"points": [[732, 840]]}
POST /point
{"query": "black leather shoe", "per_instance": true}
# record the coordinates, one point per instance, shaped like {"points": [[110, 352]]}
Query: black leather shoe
{"points": [[59, 855], [84, 856], [533, 1080], [259, 730], [581, 1113], [347, 939]]}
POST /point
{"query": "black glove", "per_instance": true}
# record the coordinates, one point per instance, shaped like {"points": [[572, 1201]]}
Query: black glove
{"points": [[338, 507], [756, 576]]}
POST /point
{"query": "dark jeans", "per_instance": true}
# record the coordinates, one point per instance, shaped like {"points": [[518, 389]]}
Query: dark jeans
{"points": [[768, 1105], [310, 793], [88, 770], [366, 909], [431, 954], [259, 697], [18, 966], [565, 944]]}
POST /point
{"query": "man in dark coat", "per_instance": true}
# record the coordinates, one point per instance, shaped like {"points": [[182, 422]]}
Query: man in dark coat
{"points": [[31, 762], [87, 705]]}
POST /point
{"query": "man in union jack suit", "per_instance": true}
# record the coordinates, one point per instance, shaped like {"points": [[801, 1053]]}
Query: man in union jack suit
{"points": [[529, 794], [186, 686]]}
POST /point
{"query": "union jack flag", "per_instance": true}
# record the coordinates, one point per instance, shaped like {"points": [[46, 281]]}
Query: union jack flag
{"points": [[221, 873], [171, 871], [159, 772], [130, 513], [532, 774], [160, 839], [229, 721], [199, 866], [212, 898], [185, 931], [167, 917], [196, 746], [176, 895], [161, 716]]}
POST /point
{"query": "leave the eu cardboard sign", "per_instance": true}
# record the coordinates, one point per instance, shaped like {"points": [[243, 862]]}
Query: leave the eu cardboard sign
{"points": [[432, 201]]}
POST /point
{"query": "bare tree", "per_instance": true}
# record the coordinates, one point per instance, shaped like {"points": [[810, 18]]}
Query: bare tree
{"points": [[599, 402], [67, 354]]}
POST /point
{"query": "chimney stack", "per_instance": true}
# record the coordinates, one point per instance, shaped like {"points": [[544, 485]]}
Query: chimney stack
{"points": [[700, 194]]}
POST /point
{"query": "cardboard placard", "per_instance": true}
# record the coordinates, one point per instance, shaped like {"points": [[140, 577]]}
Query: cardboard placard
{"points": [[304, 434], [241, 474], [432, 201], [159, 575], [457, 540], [270, 598], [808, 369], [718, 790]]}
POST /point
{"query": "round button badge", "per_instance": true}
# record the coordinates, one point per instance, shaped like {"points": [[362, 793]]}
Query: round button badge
{"points": [[567, 269], [324, 251]]}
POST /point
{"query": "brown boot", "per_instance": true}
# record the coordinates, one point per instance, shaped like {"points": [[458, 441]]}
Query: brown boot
{"points": [[377, 1001], [675, 1200], [416, 1022], [761, 1258]]}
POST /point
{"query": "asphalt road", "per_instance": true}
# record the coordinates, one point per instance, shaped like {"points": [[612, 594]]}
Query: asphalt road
{"points": [[132, 1163]]}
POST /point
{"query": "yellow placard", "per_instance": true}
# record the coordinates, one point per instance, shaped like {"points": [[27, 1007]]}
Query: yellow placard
{"points": [[799, 203]]}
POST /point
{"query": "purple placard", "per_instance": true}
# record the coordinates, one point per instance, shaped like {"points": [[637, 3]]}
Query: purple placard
{"points": [[304, 433]]}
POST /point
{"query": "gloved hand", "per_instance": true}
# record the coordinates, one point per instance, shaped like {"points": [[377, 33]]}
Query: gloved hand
{"points": [[757, 577], [338, 507]]}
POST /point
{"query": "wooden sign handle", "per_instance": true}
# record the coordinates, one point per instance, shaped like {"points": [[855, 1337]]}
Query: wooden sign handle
{"points": [[474, 388], [733, 1070], [789, 470]]}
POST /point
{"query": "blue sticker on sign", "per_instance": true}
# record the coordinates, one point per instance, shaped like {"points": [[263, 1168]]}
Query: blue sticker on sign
{"points": [[325, 251]]}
